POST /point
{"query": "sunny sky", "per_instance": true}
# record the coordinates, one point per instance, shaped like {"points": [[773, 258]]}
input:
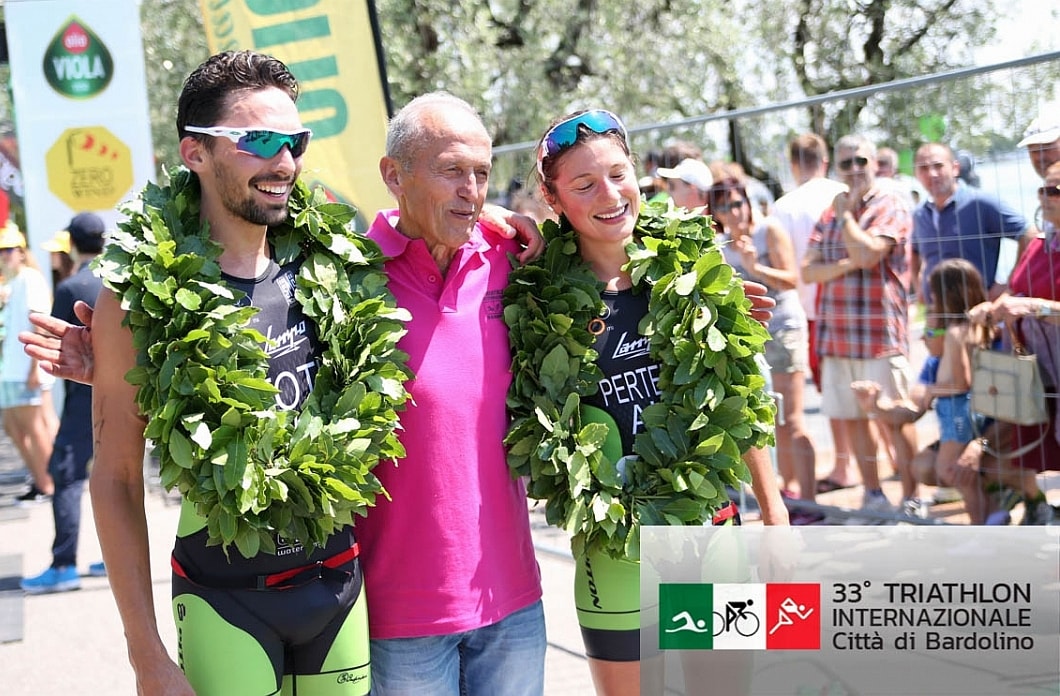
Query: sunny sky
{"points": [[1029, 28]]}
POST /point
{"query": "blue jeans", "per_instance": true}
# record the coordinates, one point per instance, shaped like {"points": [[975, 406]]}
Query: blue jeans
{"points": [[503, 659], [69, 469]]}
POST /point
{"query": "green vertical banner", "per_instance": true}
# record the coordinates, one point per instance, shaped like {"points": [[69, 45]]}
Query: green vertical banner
{"points": [[333, 47]]}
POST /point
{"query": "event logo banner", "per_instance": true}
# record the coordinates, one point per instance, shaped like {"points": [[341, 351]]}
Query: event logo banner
{"points": [[750, 616], [332, 47], [893, 611], [81, 116]]}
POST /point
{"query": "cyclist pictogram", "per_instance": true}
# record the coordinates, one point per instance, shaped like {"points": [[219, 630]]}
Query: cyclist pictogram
{"points": [[736, 618]]}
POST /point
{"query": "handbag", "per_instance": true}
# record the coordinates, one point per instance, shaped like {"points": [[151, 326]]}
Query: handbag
{"points": [[1008, 386]]}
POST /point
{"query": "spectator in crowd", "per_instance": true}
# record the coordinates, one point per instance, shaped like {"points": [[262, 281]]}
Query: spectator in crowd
{"points": [[957, 286], [960, 222], [688, 184], [72, 449], [62, 263], [886, 163], [669, 157], [62, 266], [920, 399], [966, 169], [888, 174], [798, 212], [1042, 139], [859, 252], [759, 195], [1031, 308], [763, 252], [23, 385]]}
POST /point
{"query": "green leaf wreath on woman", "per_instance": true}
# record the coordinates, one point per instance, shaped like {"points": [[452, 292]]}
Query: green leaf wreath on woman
{"points": [[712, 408], [251, 470]]}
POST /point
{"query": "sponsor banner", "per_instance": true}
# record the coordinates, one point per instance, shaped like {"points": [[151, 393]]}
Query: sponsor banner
{"points": [[81, 116], [331, 47], [897, 610]]}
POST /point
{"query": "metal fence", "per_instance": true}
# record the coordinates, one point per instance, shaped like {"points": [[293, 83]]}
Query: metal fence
{"points": [[980, 112]]}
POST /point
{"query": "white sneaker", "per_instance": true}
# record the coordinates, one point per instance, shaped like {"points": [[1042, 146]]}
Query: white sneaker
{"points": [[915, 507]]}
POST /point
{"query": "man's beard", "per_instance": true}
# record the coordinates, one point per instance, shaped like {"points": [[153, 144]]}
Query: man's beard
{"points": [[259, 215]]}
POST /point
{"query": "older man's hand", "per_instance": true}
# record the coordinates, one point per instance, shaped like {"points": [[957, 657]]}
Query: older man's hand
{"points": [[61, 348]]}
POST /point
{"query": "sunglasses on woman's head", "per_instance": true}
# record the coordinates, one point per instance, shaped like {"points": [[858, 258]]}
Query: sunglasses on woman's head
{"points": [[565, 133], [847, 164], [259, 142]]}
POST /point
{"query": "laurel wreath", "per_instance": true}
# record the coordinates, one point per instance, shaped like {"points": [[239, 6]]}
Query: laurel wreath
{"points": [[713, 404], [251, 470]]}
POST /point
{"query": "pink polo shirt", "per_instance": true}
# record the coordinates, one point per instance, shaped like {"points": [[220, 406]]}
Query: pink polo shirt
{"points": [[452, 550]]}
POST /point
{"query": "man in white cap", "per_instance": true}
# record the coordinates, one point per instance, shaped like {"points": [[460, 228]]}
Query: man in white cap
{"points": [[688, 183], [1042, 138]]}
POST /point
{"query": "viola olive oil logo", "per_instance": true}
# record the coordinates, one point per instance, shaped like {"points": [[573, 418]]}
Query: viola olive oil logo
{"points": [[76, 63]]}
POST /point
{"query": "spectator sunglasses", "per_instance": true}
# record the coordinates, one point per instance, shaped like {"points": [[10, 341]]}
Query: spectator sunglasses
{"points": [[564, 134], [259, 142], [847, 164]]}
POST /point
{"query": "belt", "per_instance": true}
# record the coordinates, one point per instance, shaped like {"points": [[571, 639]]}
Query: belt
{"points": [[284, 579], [729, 512]]}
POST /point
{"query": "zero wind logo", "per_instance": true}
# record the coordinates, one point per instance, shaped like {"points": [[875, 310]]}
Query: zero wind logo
{"points": [[752, 616]]}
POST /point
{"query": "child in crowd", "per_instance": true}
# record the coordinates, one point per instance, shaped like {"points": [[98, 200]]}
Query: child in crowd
{"points": [[956, 286]]}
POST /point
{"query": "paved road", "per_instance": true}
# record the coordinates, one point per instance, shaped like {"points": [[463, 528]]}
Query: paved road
{"points": [[72, 643]]}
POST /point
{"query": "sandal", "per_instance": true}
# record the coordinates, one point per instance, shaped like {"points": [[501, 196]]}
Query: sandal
{"points": [[827, 485]]}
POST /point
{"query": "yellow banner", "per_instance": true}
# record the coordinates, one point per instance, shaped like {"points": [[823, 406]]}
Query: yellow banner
{"points": [[330, 46]]}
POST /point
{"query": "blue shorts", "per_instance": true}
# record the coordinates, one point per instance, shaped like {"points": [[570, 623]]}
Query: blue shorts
{"points": [[956, 418], [15, 394]]}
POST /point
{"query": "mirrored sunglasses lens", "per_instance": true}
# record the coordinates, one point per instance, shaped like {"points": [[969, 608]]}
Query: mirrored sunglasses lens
{"points": [[564, 134], [267, 144]]}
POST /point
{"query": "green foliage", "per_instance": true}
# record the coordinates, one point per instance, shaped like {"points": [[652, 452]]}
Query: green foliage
{"points": [[712, 407], [253, 471], [174, 44], [524, 62]]}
